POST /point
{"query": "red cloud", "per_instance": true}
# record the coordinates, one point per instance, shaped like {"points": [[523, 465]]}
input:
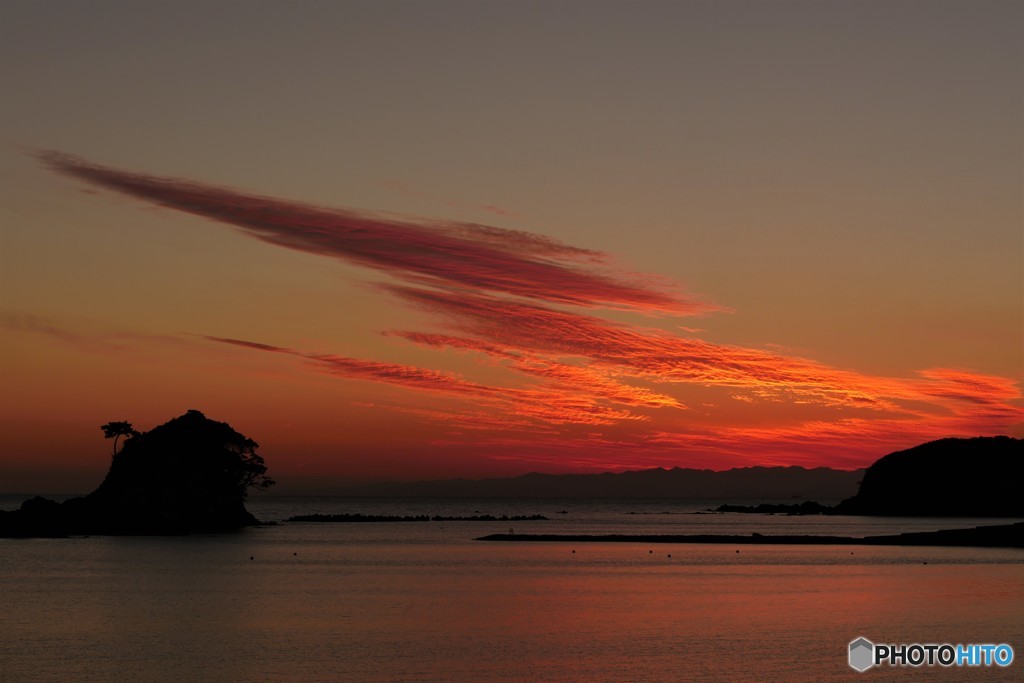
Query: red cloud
{"points": [[511, 329], [650, 354], [551, 403], [434, 253], [585, 379]]}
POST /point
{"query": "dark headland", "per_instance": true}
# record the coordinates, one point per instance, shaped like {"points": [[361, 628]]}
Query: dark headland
{"points": [[979, 477], [189, 475]]}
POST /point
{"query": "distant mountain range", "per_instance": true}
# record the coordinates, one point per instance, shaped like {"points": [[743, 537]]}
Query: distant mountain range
{"points": [[746, 482]]}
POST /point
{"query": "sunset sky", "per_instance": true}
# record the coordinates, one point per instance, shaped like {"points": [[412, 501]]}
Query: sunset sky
{"points": [[413, 240]]}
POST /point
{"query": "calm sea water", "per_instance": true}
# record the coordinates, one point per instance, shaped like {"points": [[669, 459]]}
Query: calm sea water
{"points": [[424, 602]]}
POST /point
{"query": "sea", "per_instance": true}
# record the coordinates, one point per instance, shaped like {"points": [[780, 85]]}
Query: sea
{"points": [[424, 601]]}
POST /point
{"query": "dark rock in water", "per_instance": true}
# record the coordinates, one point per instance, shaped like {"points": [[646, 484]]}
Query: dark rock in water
{"points": [[806, 508], [356, 517], [186, 476], [980, 477], [37, 517]]}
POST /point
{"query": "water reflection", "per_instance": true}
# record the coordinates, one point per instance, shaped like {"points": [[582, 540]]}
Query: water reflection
{"points": [[394, 602]]}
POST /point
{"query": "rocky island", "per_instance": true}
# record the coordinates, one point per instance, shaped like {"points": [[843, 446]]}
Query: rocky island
{"points": [[189, 475]]}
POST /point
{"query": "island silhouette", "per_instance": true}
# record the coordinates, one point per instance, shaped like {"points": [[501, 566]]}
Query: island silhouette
{"points": [[189, 475], [978, 477]]}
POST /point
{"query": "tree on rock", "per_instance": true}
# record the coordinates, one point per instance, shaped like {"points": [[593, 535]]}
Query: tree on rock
{"points": [[191, 454], [241, 463], [188, 475], [115, 430]]}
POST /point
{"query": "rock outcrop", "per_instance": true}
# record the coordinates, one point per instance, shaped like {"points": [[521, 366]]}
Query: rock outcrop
{"points": [[979, 477], [186, 476]]}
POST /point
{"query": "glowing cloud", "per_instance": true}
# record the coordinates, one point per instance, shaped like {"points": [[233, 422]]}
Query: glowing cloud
{"points": [[550, 403], [507, 328]]}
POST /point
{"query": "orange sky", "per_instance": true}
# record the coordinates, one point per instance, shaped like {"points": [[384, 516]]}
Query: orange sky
{"points": [[475, 241]]}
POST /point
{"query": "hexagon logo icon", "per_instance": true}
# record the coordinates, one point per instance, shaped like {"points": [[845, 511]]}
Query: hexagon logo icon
{"points": [[862, 654]]}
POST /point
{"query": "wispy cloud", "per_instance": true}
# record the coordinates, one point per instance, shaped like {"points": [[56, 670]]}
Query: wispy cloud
{"points": [[392, 373], [426, 252], [585, 390], [522, 332], [592, 380], [650, 354], [551, 402], [82, 333]]}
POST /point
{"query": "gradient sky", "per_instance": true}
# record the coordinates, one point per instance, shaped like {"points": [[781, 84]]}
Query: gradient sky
{"points": [[404, 240]]}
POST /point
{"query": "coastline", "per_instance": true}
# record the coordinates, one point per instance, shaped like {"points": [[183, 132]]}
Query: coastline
{"points": [[1001, 536]]}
